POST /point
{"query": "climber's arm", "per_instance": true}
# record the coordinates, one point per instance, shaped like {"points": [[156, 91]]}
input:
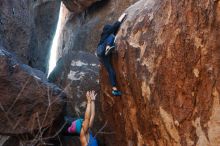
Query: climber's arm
{"points": [[93, 97], [116, 25], [85, 125]]}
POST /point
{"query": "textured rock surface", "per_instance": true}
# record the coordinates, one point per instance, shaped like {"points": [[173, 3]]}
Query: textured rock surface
{"points": [[28, 103], [78, 69], [78, 6], [168, 66], [8, 141], [27, 28]]}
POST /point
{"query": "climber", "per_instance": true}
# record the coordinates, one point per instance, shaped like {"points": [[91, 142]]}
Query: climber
{"points": [[106, 46], [82, 127]]}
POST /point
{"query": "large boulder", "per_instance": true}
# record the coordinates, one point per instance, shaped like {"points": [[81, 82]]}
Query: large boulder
{"points": [[78, 6], [167, 66], [28, 103], [27, 28]]}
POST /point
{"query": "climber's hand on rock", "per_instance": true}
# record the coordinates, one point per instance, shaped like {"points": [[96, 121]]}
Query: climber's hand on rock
{"points": [[122, 17], [88, 93], [93, 95]]}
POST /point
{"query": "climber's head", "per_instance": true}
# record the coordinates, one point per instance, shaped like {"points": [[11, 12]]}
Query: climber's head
{"points": [[76, 126]]}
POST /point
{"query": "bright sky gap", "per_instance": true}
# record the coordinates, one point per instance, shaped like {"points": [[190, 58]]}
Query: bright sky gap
{"points": [[54, 47]]}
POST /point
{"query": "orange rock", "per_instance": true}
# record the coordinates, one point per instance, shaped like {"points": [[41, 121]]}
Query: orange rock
{"points": [[167, 50]]}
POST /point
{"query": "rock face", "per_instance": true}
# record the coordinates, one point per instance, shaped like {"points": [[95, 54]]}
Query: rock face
{"points": [[78, 69], [78, 6], [167, 66], [27, 28], [28, 103], [8, 141]]}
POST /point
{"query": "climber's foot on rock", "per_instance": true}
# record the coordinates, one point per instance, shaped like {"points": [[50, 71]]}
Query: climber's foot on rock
{"points": [[116, 92]]}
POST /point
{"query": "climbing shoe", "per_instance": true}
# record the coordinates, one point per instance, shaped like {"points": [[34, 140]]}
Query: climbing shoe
{"points": [[116, 93], [108, 50]]}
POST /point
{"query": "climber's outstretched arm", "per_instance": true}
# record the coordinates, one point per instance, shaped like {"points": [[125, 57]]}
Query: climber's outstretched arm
{"points": [[93, 97], [86, 121], [116, 25]]}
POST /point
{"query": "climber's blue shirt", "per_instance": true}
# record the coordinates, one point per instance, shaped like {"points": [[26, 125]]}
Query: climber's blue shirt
{"points": [[92, 140], [108, 30]]}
